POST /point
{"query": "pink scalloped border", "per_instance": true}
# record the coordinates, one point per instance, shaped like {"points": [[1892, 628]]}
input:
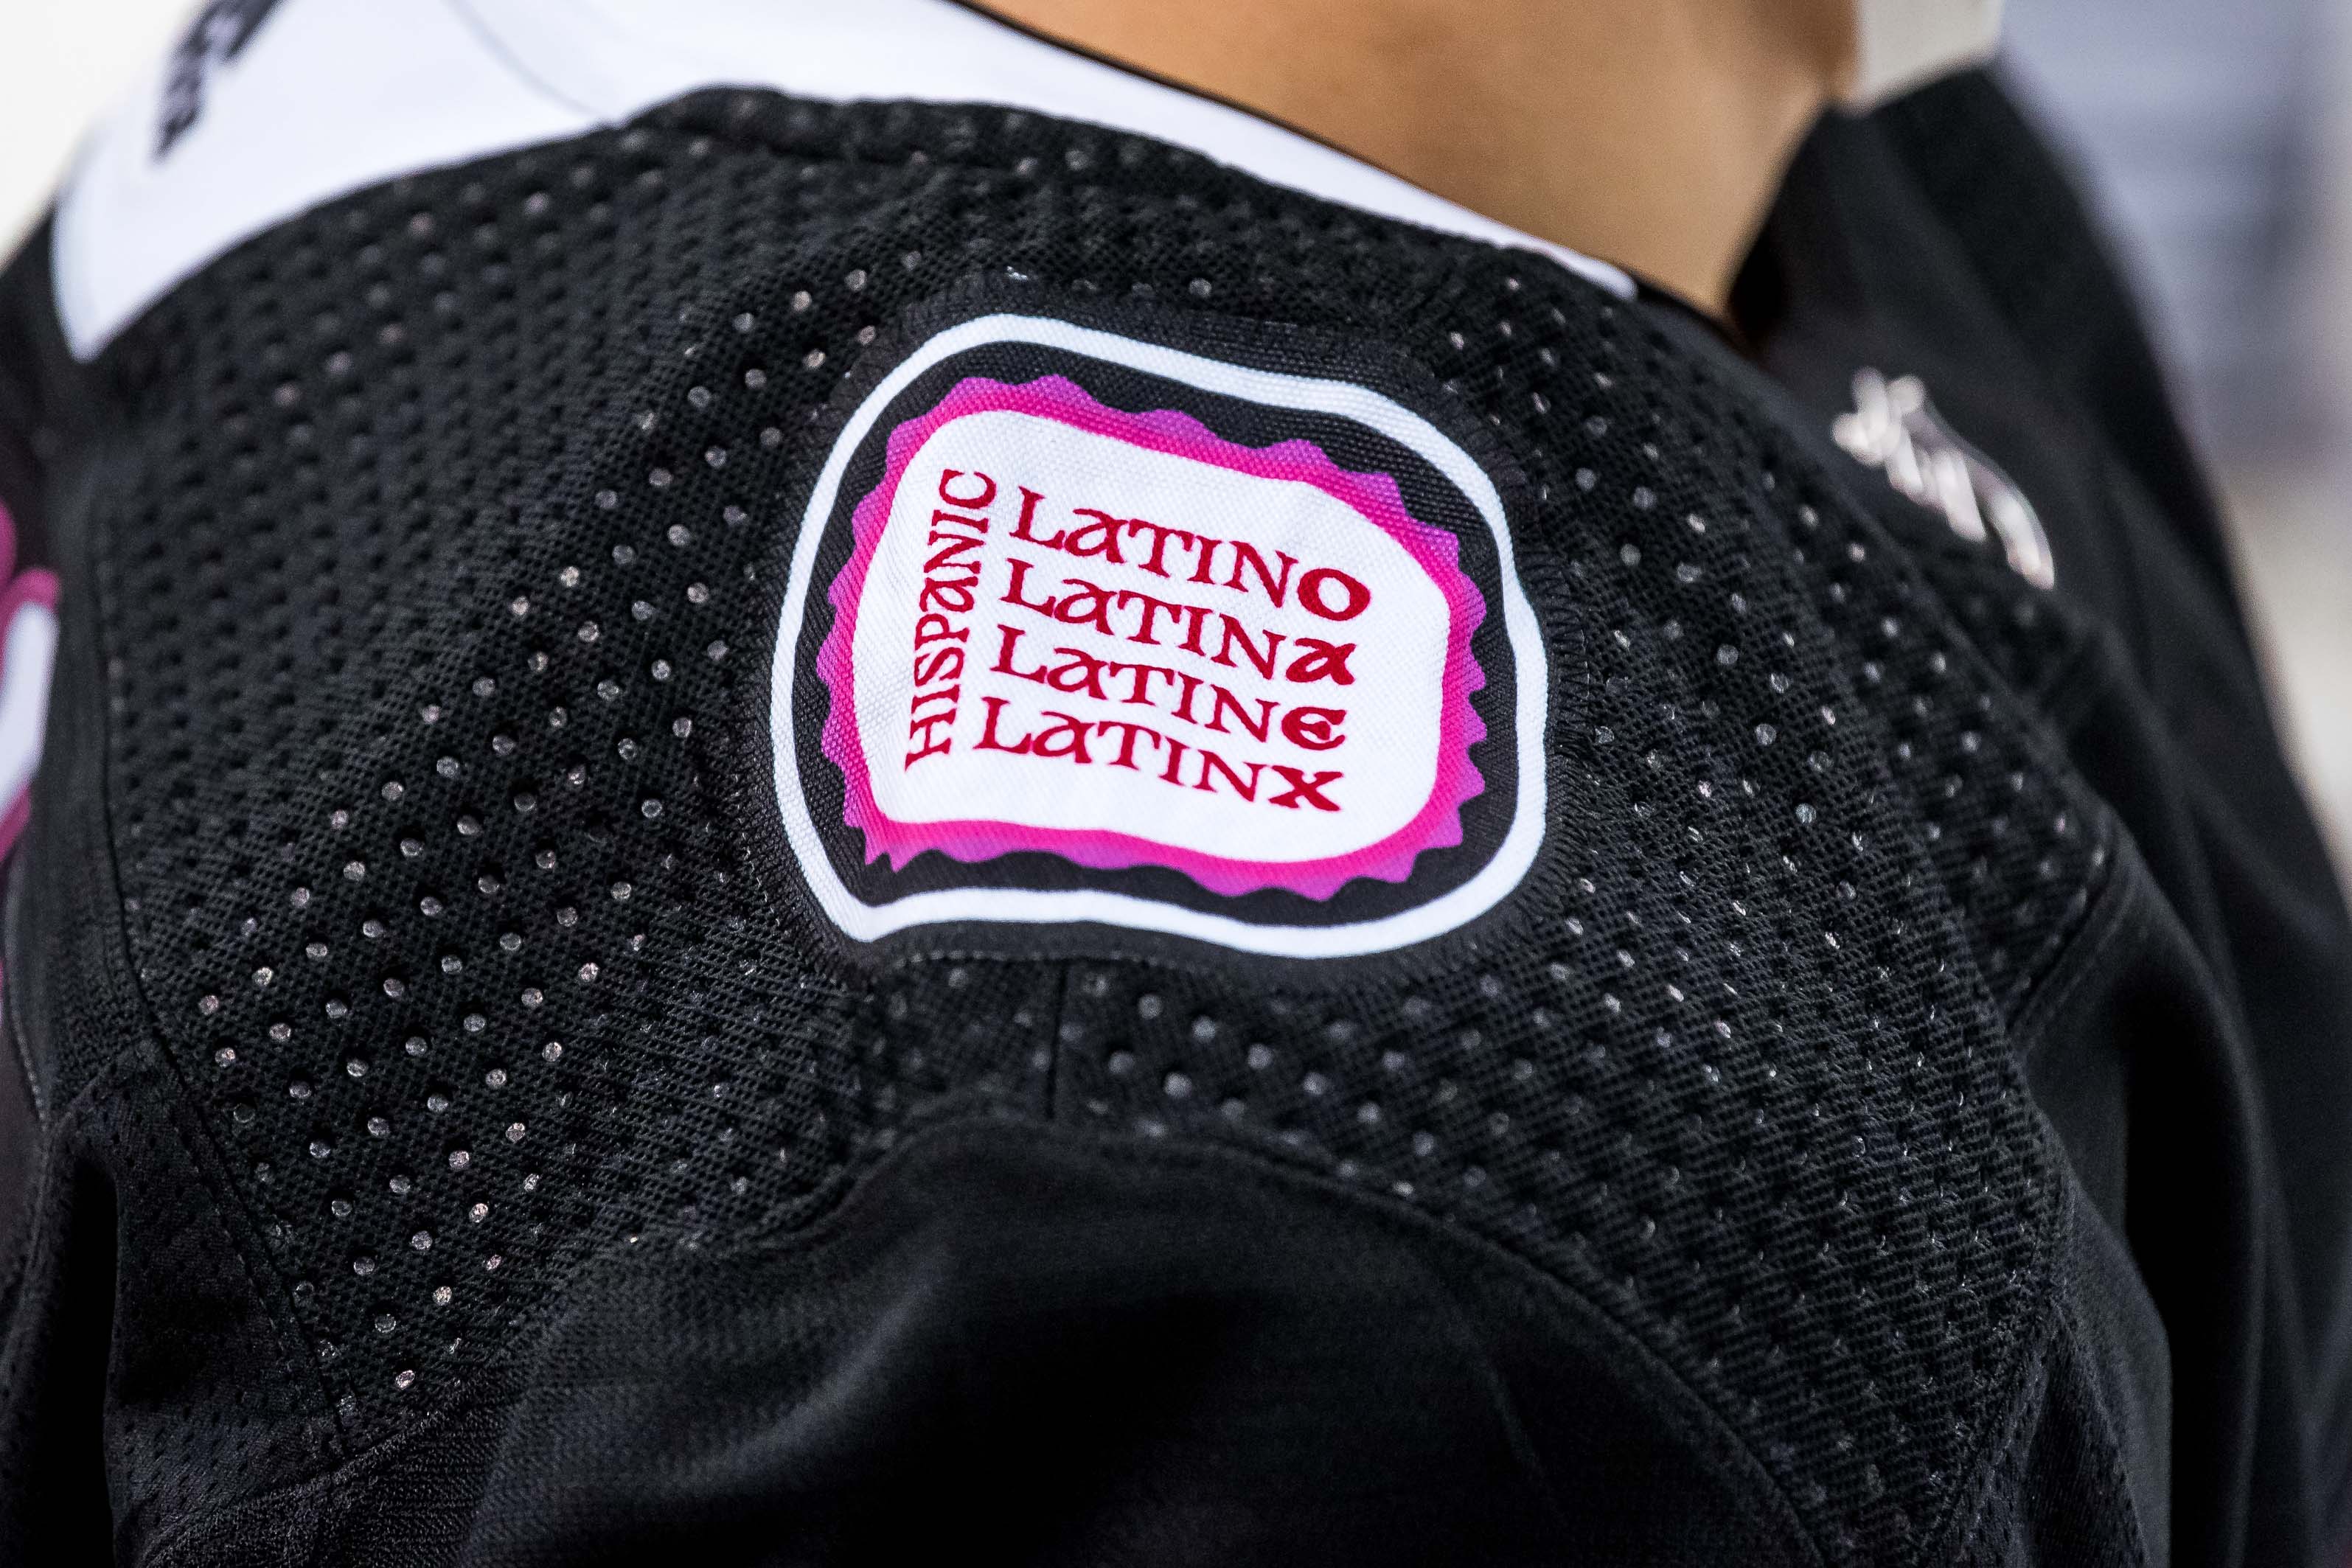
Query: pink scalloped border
{"points": [[1374, 496], [35, 586]]}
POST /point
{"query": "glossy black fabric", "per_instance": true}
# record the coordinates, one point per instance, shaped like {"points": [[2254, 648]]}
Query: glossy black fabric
{"points": [[465, 1141], [1062, 1352]]}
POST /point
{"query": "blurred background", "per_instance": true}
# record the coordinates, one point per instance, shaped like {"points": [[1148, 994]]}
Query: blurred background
{"points": [[2217, 137], [2215, 134]]}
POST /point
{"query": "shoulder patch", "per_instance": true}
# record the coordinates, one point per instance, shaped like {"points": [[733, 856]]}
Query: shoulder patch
{"points": [[1082, 627]]}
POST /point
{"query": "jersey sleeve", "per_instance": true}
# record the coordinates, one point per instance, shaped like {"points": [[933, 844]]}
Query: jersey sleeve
{"points": [[804, 826]]}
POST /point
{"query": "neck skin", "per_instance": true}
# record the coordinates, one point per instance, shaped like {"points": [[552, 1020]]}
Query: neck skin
{"points": [[1651, 133]]}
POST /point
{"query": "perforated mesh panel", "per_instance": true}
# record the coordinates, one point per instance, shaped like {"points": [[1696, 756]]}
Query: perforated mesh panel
{"points": [[433, 606]]}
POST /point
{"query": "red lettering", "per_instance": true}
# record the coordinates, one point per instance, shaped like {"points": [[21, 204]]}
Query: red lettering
{"points": [[955, 597], [1072, 734], [976, 525], [977, 503], [1081, 671], [1312, 727], [1235, 631], [1192, 644], [1128, 731], [1227, 703], [1087, 605], [1139, 693], [1098, 538], [1184, 704], [1247, 790], [1012, 594], [1159, 538], [1320, 660], [946, 632], [933, 744], [1151, 607], [935, 668], [1003, 665], [1244, 556], [1029, 500], [988, 741], [957, 544], [1353, 596], [1305, 787]]}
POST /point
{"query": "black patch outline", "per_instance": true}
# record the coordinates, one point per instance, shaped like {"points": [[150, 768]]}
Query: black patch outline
{"points": [[1554, 644], [1486, 817]]}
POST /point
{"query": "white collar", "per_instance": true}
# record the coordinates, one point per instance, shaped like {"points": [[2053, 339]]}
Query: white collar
{"points": [[332, 96]]}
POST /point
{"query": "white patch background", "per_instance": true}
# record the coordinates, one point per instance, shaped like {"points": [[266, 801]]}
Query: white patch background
{"points": [[1389, 754], [803, 596]]}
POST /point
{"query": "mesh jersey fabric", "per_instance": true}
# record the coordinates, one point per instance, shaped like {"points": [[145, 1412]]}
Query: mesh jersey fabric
{"points": [[475, 1147]]}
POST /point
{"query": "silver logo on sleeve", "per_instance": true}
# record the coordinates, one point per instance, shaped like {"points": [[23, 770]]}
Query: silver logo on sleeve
{"points": [[1895, 429]]}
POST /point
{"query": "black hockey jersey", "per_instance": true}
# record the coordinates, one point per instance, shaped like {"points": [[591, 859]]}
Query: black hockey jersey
{"points": [[821, 785]]}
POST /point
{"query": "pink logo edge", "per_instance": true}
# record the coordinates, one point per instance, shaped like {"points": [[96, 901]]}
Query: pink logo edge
{"points": [[36, 585], [1375, 497]]}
